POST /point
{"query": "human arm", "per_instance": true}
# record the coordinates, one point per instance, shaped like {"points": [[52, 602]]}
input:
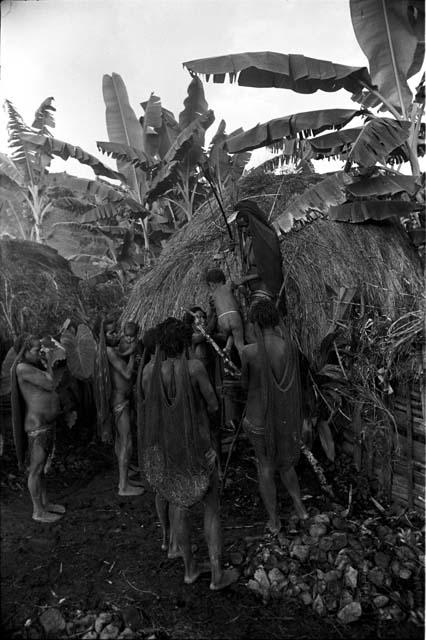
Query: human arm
{"points": [[34, 376], [146, 377], [203, 382], [125, 370]]}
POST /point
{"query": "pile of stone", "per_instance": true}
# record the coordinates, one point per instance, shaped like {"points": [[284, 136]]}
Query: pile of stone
{"points": [[343, 567]]}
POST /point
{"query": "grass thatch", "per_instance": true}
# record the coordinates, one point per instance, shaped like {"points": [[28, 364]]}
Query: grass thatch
{"points": [[318, 259], [38, 290]]}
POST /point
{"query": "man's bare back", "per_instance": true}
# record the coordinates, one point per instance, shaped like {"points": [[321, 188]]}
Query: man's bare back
{"points": [[121, 377], [276, 350]]}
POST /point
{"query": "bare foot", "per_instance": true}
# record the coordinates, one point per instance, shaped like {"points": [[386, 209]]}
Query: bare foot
{"points": [[131, 491], [55, 508], [301, 512], [274, 526], [47, 517], [228, 577], [197, 570]]}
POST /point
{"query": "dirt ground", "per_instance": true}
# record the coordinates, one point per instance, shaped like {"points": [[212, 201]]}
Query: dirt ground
{"points": [[105, 555]]}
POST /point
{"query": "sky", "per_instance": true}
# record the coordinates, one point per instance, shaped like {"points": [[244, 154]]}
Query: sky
{"points": [[62, 48]]}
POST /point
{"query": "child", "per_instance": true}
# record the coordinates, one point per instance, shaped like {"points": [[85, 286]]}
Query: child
{"points": [[228, 316]]}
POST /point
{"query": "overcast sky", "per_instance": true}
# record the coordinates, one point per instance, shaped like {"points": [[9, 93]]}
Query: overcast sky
{"points": [[62, 48]]}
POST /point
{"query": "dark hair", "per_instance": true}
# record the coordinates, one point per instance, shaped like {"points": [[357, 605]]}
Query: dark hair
{"points": [[131, 326], [24, 342], [173, 336], [215, 276], [188, 318], [264, 314], [150, 339]]}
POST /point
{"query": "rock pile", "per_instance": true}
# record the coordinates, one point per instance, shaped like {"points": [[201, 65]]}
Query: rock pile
{"points": [[343, 567]]}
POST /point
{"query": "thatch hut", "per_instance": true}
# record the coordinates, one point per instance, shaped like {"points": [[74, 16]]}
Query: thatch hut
{"points": [[38, 290], [320, 259]]}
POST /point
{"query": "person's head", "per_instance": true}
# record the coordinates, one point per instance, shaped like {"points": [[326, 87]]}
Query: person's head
{"points": [[129, 339], [173, 336], [150, 339], [195, 316], [215, 278], [264, 314], [31, 349], [110, 330]]}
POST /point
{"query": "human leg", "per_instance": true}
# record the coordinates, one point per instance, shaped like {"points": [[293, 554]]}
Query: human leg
{"points": [[291, 482], [123, 451], [38, 457], [267, 486], [183, 542], [213, 534]]}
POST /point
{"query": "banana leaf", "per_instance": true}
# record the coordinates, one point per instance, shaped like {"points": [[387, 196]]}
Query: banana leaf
{"points": [[391, 43], [377, 139], [81, 352], [318, 198], [95, 188], [122, 123], [285, 71], [296, 125], [9, 169], [123, 152], [327, 440], [151, 127], [54, 147], [25, 159], [195, 104], [384, 185], [364, 210], [43, 117]]}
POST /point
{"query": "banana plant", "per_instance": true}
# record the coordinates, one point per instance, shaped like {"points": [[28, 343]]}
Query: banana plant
{"points": [[157, 154], [391, 34]]}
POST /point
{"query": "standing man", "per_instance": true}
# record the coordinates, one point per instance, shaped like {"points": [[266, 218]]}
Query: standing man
{"points": [[121, 361], [273, 414], [33, 395], [178, 458]]}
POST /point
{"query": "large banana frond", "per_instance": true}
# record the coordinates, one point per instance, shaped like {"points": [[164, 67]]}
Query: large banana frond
{"points": [[363, 210], [122, 123], [377, 139], [43, 117], [123, 152], [95, 188], [317, 199], [389, 35], [54, 147], [285, 71], [9, 169], [292, 126], [151, 127], [384, 185], [25, 158], [195, 104]]}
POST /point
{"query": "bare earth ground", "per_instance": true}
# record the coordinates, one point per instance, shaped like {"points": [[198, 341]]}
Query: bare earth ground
{"points": [[105, 555]]}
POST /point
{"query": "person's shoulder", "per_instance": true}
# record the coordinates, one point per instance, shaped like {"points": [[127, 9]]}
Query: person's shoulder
{"points": [[249, 350], [195, 366], [24, 366]]}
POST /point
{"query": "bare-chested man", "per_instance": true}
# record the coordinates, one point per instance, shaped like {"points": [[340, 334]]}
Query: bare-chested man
{"points": [[122, 360], [184, 385], [228, 315], [42, 407], [273, 415]]}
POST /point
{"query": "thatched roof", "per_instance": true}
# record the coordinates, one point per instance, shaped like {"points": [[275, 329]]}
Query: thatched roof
{"points": [[318, 259], [38, 290]]}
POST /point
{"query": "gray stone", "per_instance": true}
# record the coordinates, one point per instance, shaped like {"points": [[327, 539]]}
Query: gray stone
{"points": [[351, 577], [350, 613], [132, 618], [52, 622], [318, 606], [299, 551], [102, 620], [340, 540], [326, 543], [90, 635], [380, 601], [376, 576], [322, 518], [127, 633], [109, 632], [236, 558], [275, 576], [317, 530], [306, 598], [382, 560], [345, 598]]}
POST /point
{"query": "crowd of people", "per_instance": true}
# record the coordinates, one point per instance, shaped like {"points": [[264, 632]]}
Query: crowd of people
{"points": [[175, 386]]}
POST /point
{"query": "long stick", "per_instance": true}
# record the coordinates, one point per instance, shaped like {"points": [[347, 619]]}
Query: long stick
{"points": [[234, 371], [234, 440]]}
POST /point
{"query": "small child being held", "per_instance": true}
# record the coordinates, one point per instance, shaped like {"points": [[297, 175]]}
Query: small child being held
{"points": [[228, 316]]}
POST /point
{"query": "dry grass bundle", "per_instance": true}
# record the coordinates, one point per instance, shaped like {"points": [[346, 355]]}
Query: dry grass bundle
{"points": [[318, 259], [38, 290]]}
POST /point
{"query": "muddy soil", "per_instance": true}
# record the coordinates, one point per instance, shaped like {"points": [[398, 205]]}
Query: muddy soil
{"points": [[105, 555]]}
